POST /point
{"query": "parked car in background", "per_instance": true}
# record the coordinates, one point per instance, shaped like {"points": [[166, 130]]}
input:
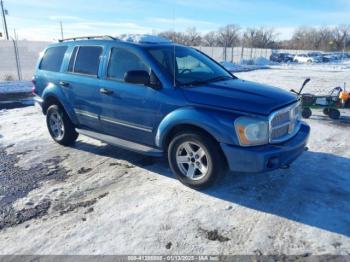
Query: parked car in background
{"points": [[326, 58], [317, 57], [303, 58], [281, 57]]}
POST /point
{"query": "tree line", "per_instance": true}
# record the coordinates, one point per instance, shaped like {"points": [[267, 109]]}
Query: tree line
{"points": [[305, 38]]}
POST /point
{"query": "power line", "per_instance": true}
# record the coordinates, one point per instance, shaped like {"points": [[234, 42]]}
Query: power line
{"points": [[4, 12]]}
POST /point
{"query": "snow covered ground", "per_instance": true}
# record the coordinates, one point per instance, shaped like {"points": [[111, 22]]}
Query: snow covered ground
{"points": [[97, 199]]}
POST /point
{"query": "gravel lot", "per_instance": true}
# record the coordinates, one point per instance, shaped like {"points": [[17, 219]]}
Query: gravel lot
{"points": [[97, 199]]}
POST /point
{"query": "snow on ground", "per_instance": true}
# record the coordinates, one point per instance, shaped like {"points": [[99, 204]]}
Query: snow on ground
{"points": [[15, 87], [292, 76], [234, 68], [97, 199]]}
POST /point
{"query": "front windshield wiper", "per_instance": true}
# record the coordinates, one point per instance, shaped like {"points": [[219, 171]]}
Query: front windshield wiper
{"points": [[202, 82], [219, 78]]}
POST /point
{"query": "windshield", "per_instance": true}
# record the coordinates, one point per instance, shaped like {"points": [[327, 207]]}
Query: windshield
{"points": [[190, 66]]}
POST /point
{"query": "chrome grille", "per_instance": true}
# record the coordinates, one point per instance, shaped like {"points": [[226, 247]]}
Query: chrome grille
{"points": [[284, 123]]}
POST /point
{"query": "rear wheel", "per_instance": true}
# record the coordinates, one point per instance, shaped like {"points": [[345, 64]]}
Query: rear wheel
{"points": [[60, 126], [306, 113], [326, 111], [334, 113], [195, 159]]}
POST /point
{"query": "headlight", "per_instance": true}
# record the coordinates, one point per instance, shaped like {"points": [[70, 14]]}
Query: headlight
{"points": [[252, 132], [297, 111]]}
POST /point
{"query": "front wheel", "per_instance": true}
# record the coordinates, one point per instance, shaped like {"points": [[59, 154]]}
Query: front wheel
{"points": [[60, 126], [195, 159], [306, 113], [326, 111], [334, 113]]}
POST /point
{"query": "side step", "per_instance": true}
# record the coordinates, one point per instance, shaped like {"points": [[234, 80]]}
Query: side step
{"points": [[122, 143]]}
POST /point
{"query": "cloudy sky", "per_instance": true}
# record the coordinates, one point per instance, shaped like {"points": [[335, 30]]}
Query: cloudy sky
{"points": [[39, 19]]}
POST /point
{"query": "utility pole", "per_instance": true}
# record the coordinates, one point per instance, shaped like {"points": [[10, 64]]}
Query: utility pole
{"points": [[4, 12], [61, 30]]}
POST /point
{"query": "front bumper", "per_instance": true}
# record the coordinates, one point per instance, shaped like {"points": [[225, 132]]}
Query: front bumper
{"points": [[268, 157]]}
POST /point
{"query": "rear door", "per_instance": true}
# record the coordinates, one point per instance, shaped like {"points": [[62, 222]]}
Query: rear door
{"points": [[81, 84]]}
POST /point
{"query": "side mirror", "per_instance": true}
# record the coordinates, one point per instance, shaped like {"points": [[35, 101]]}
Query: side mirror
{"points": [[137, 77]]}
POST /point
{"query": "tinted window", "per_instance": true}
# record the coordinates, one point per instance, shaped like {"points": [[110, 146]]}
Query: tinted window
{"points": [[52, 59], [122, 61], [72, 59], [88, 60]]}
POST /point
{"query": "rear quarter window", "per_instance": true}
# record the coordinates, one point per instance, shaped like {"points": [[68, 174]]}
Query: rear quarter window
{"points": [[52, 59], [87, 60]]}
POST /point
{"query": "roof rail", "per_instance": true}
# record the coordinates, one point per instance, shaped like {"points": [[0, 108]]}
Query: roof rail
{"points": [[88, 37]]}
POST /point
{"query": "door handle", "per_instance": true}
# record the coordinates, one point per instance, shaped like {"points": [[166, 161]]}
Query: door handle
{"points": [[64, 84], [106, 91]]}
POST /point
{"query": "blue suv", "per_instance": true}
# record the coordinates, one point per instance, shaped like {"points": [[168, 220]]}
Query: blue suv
{"points": [[158, 98]]}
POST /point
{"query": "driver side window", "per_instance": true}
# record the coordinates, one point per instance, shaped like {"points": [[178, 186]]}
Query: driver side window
{"points": [[121, 61]]}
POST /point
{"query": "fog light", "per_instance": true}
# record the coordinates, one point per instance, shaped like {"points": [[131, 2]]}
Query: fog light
{"points": [[272, 162]]}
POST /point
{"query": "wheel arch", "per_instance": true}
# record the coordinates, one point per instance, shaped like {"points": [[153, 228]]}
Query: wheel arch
{"points": [[52, 99]]}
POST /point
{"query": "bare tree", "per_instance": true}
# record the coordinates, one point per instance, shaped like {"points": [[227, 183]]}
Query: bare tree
{"points": [[228, 36], [259, 37], [340, 36], [210, 39], [192, 37], [176, 37]]}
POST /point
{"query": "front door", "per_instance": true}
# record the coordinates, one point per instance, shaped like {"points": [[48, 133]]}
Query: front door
{"points": [[130, 111]]}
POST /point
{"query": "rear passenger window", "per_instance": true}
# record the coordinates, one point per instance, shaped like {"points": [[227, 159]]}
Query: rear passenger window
{"points": [[122, 61], [87, 60], [52, 59]]}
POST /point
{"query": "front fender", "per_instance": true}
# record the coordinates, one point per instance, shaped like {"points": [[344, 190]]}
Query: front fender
{"points": [[56, 92], [212, 123]]}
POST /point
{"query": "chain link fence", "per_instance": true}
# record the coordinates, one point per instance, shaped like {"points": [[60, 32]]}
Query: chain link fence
{"points": [[18, 59], [240, 54]]}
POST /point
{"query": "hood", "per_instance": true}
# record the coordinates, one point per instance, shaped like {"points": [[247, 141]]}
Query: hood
{"points": [[240, 95]]}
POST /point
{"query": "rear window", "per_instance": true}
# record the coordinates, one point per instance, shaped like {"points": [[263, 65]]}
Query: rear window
{"points": [[52, 59], [87, 60]]}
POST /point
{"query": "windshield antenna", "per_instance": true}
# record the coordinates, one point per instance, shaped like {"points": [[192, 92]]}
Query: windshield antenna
{"points": [[174, 37]]}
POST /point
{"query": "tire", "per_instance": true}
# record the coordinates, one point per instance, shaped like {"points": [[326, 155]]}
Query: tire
{"points": [[306, 113], [60, 126], [204, 167], [334, 113], [326, 111]]}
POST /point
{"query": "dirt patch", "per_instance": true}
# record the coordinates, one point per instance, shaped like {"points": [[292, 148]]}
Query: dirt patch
{"points": [[214, 235], [168, 245], [84, 170], [16, 183], [121, 165], [10, 217], [83, 204]]}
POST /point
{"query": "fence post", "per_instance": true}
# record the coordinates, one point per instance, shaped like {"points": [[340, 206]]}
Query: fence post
{"points": [[232, 55], [18, 65]]}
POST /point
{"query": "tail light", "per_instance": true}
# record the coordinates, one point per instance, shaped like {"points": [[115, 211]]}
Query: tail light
{"points": [[34, 83]]}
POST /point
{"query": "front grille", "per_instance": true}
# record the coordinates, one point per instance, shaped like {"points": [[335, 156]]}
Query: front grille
{"points": [[284, 123]]}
